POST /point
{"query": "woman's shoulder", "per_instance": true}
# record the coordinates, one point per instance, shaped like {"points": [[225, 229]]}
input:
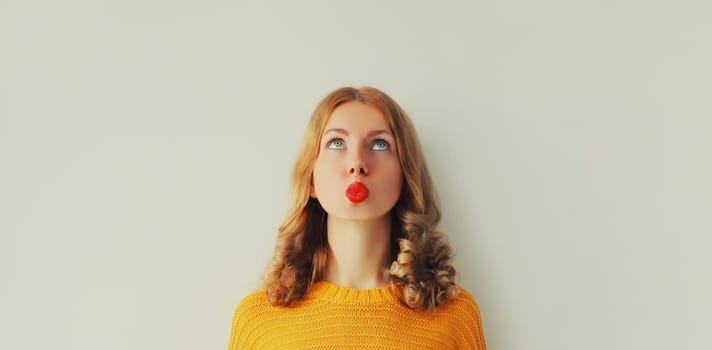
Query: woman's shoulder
{"points": [[465, 298], [248, 315], [253, 303], [463, 315], [463, 307]]}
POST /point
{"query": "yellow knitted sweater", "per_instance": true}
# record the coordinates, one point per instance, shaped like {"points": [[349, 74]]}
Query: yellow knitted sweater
{"points": [[334, 317]]}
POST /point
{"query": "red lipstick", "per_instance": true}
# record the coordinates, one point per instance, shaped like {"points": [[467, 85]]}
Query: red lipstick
{"points": [[357, 192]]}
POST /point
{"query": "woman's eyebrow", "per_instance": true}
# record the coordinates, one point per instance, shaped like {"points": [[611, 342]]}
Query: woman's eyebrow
{"points": [[370, 133]]}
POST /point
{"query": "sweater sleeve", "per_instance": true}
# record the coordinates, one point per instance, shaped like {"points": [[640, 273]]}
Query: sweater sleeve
{"points": [[242, 335], [473, 336]]}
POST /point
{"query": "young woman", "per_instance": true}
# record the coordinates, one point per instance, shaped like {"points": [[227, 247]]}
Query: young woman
{"points": [[359, 262]]}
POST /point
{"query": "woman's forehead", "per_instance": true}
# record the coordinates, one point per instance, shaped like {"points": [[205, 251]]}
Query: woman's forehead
{"points": [[356, 116]]}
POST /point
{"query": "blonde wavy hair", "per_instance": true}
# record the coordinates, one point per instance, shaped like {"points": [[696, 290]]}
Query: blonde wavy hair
{"points": [[420, 273]]}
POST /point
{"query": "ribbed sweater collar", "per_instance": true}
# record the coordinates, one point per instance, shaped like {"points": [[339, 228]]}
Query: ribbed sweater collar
{"points": [[328, 291]]}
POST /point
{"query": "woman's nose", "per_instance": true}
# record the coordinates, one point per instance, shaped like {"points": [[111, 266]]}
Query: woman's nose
{"points": [[358, 165], [358, 170]]}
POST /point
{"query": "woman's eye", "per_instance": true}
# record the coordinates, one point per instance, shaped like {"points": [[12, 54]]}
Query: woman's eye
{"points": [[380, 145], [335, 144]]}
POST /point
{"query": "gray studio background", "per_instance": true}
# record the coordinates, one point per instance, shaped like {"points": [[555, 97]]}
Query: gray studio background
{"points": [[145, 151]]}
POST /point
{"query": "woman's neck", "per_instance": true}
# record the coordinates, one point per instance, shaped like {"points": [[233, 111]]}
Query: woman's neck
{"points": [[358, 252]]}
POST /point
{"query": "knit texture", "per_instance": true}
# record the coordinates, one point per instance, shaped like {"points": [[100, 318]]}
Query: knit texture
{"points": [[334, 317]]}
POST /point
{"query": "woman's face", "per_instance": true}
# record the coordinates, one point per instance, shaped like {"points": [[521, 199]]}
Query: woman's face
{"points": [[357, 175]]}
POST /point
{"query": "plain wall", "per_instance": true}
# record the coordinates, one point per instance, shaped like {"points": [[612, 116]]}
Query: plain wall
{"points": [[145, 151]]}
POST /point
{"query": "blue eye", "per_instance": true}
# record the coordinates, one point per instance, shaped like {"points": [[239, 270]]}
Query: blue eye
{"points": [[335, 144], [381, 145]]}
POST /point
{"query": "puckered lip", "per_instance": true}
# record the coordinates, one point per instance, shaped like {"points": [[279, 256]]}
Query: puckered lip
{"points": [[357, 192]]}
